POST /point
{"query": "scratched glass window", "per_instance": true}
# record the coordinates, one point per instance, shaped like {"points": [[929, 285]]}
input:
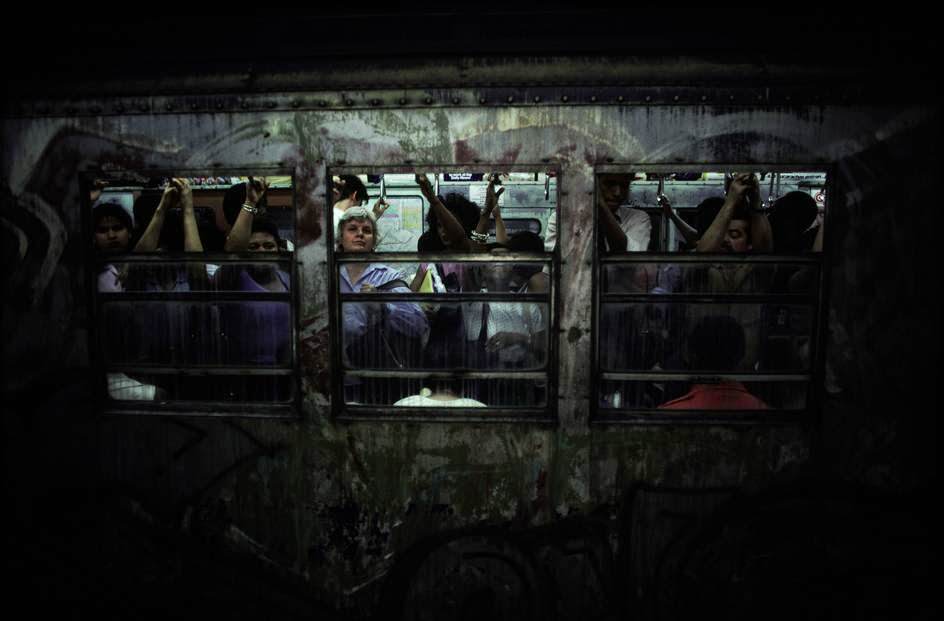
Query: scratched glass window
{"points": [[443, 285], [708, 289], [194, 288]]}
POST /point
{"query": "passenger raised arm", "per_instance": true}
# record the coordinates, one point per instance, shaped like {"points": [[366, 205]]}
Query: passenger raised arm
{"points": [[740, 225], [622, 228], [452, 228], [177, 191], [687, 231], [491, 209], [239, 235]]}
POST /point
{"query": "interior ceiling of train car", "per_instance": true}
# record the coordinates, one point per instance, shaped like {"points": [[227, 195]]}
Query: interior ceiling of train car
{"points": [[75, 55]]}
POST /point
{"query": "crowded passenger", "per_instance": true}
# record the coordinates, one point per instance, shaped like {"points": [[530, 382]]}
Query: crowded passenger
{"points": [[375, 335], [687, 231], [716, 345], [349, 191], [508, 334], [170, 231], [741, 225], [443, 391], [112, 227], [112, 231], [241, 203], [254, 332], [451, 220], [622, 228], [797, 229]]}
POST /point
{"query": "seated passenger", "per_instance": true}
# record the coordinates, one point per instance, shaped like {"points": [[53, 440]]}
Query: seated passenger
{"points": [[375, 335], [739, 227], [508, 334], [442, 392], [716, 345]]}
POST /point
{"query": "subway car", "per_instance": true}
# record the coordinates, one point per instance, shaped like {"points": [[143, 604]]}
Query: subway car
{"points": [[529, 335]]}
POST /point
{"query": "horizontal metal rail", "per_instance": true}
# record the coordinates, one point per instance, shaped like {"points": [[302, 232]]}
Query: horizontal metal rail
{"points": [[197, 370], [442, 257], [355, 413], [706, 377], [613, 416], [708, 258], [260, 409], [705, 298], [517, 374], [443, 298], [198, 257], [195, 296]]}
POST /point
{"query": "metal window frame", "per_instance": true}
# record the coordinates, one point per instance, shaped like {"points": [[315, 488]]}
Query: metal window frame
{"points": [[289, 409], [620, 416], [347, 413]]}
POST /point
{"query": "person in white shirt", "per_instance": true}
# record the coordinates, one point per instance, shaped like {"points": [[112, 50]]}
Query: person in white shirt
{"points": [[622, 228]]}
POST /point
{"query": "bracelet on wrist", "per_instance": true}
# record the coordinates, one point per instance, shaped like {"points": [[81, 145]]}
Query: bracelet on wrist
{"points": [[250, 208], [478, 237]]}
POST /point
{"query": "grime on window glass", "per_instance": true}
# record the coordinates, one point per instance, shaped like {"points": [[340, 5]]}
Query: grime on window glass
{"points": [[443, 283], [708, 290], [194, 296]]}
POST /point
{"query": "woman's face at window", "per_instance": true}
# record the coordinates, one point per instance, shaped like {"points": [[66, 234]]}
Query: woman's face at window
{"points": [[111, 235], [262, 242], [357, 235]]}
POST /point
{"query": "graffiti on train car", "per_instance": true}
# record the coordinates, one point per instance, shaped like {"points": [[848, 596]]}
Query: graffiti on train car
{"points": [[339, 504]]}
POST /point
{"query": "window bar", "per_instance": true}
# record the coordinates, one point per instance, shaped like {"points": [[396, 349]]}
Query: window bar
{"points": [[794, 299], [705, 377], [523, 374], [193, 369], [697, 417], [442, 257], [218, 409], [706, 258], [354, 412], [195, 296], [445, 298], [197, 257]]}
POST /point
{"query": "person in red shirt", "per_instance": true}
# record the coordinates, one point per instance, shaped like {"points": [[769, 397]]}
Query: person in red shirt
{"points": [[717, 346]]}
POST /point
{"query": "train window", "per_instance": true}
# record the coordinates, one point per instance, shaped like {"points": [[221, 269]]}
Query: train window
{"points": [[708, 292], [454, 316], [194, 290]]}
